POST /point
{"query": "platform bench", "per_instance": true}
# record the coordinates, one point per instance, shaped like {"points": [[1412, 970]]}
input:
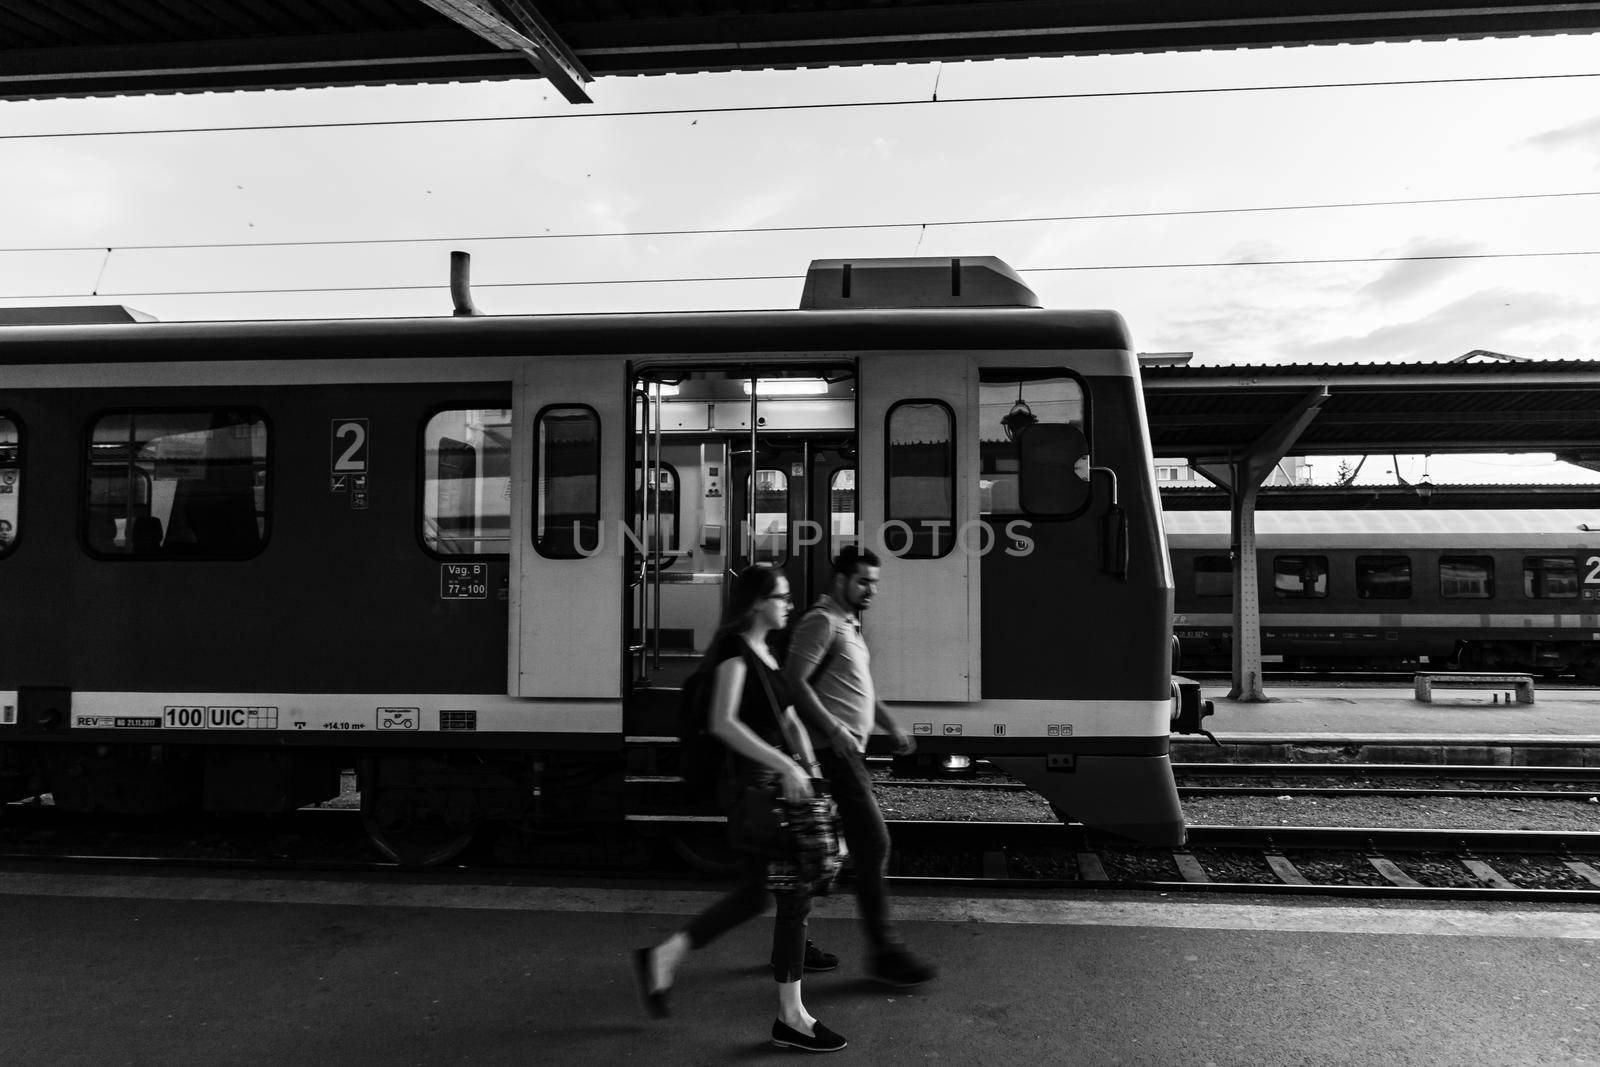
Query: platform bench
{"points": [[1425, 684]]}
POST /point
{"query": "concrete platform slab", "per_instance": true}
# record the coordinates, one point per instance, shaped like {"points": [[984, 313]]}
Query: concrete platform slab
{"points": [[1391, 713], [108, 968]]}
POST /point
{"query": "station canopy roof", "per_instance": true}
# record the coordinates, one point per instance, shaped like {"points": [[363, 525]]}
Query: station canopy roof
{"points": [[63, 48], [1212, 414]]}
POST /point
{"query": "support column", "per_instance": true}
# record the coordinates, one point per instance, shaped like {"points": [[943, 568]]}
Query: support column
{"points": [[1242, 476]]}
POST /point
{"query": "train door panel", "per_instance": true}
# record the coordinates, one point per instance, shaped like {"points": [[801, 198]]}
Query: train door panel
{"points": [[1057, 609], [915, 441], [693, 432], [566, 544], [799, 519]]}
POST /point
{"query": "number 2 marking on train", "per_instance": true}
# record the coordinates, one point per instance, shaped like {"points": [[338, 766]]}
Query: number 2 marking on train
{"points": [[1593, 577], [354, 457]]}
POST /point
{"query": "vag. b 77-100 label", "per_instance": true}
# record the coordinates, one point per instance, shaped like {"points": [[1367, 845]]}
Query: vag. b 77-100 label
{"points": [[219, 718]]}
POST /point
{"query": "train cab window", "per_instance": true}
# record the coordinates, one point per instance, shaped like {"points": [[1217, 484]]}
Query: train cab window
{"points": [[841, 511], [1550, 577], [1383, 577], [772, 517], [1466, 577], [1042, 479], [920, 465], [1299, 577], [1213, 576], [189, 484], [663, 494], [10, 483], [466, 482], [566, 516]]}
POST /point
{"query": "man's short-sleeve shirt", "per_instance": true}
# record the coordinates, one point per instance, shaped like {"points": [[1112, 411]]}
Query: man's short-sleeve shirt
{"points": [[844, 686]]}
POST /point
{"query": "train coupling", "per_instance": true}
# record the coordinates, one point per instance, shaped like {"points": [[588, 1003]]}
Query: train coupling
{"points": [[1190, 710]]}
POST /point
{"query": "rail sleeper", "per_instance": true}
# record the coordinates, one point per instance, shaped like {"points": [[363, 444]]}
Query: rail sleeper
{"points": [[1425, 684]]}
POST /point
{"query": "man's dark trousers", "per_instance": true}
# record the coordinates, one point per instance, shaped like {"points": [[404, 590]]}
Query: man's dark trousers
{"points": [[868, 838]]}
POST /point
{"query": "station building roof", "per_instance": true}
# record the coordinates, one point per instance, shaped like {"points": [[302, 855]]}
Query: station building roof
{"points": [[1217, 413], [63, 48]]}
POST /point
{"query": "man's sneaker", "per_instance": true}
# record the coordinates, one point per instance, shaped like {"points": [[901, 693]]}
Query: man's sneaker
{"points": [[818, 960], [897, 967]]}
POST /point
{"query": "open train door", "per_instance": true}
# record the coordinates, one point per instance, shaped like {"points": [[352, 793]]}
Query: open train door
{"points": [[916, 446], [566, 543]]}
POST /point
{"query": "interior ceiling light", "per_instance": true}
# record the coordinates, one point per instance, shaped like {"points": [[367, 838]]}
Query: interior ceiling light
{"points": [[789, 387]]}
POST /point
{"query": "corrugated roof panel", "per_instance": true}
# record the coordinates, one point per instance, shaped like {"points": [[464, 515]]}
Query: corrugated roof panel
{"points": [[84, 47]]}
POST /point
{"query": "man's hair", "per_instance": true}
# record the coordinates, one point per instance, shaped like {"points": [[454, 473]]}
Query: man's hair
{"points": [[850, 557]]}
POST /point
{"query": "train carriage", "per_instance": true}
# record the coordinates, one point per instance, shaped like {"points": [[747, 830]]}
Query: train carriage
{"points": [[1504, 590], [475, 557]]}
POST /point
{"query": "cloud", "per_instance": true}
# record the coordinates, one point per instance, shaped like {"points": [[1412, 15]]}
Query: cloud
{"points": [[1410, 277], [1301, 327], [1585, 134], [1519, 323]]}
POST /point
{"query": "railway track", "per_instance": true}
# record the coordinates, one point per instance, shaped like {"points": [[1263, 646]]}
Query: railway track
{"points": [[1368, 861], [1298, 860], [1340, 780], [1372, 862]]}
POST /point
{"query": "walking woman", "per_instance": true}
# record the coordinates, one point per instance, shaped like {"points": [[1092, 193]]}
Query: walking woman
{"points": [[752, 715]]}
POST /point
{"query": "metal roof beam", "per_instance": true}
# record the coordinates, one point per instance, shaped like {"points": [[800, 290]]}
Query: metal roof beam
{"points": [[517, 25]]}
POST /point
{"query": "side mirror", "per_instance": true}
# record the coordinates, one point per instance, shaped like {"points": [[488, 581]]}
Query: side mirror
{"points": [[1054, 474]]}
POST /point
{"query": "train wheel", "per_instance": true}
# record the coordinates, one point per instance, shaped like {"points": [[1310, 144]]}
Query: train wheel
{"points": [[415, 827]]}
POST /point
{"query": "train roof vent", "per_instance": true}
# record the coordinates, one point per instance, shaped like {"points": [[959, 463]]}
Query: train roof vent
{"points": [[71, 316], [969, 282]]}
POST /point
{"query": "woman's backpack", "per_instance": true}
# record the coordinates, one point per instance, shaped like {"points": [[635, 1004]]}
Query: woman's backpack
{"points": [[700, 754]]}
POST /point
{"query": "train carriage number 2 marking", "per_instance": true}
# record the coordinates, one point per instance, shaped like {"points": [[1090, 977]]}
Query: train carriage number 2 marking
{"points": [[354, 456], [1593, 577]]}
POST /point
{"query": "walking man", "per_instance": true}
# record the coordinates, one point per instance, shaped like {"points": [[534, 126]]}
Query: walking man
{"points": [[829, 673]]}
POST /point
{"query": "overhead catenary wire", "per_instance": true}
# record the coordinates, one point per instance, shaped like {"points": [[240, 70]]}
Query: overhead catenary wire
{"points": [[572, 116], [712, 231], [723, 279]]}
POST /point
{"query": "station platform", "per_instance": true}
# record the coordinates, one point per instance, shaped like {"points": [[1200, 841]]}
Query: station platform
{"points": [[1562, 725], [119, 968]]}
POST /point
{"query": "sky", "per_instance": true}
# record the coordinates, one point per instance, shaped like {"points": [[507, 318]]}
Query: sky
{"points": [[1184, 149]]}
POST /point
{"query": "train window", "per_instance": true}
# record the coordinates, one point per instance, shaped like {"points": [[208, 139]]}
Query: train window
{"points": [[466, 482], [663, 490], [1299, 577], [1012, 403], [1549, 577], [1383, 577], [188, 484], [10, 482], [841, 511], [920, 465], [1213, 576], [1466, 577], [772, 516], [566, 517]]}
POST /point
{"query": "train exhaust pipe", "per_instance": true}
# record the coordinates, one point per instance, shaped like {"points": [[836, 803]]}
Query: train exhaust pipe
{"points": [[461, 284]]}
